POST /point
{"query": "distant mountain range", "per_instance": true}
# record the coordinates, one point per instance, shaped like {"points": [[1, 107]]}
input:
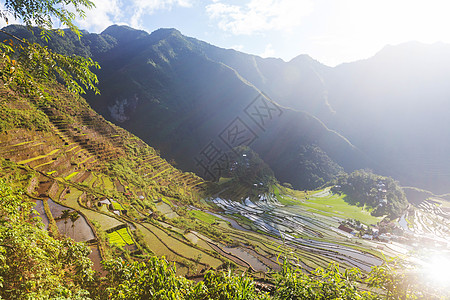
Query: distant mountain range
{"points": [[195, 102]]}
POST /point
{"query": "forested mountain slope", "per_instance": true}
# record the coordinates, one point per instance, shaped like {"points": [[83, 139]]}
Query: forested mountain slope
{"points": [[170, 90], [182, 95]]}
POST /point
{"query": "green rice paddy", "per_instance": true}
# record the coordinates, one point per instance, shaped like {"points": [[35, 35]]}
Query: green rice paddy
{"points": [[120, 237], [204, 217]]}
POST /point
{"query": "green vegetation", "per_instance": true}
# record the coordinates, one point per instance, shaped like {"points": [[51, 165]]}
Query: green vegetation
{"points": [[247, 168], [337, 205], [382, 194], [71, 175], [94, 160], [204, 217], [29, 66], [13, 117], [308, 168], [34, 264], [120, 237], [156, 279], [116, 205]]}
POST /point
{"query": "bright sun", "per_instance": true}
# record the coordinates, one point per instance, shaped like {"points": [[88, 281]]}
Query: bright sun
{"points": [[437, 270]]}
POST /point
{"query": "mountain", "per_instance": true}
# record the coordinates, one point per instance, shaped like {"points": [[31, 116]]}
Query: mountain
{"points": [[394, 107], [190, 99], [81, 194]]}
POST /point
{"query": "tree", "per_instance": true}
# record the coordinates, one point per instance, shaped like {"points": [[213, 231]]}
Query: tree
{"points": [[73, 217], [28, 67], [65, 215], [34, 265]]}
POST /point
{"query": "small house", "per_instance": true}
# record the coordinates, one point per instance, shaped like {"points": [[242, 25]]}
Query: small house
{"points": [[105, 201], [345, 228]]}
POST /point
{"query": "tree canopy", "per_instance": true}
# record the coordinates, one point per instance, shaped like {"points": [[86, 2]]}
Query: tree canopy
{"points": [[27, 66]]}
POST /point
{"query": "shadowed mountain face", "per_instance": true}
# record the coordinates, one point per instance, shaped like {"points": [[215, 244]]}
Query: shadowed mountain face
{"points": [[395, 108], [195, 102], [195, 108]]}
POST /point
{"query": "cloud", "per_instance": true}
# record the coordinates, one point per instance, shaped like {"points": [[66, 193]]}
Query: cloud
{"points": [[105, 13], [259, 15], [141, 8], [268, 52], [130, 12]]}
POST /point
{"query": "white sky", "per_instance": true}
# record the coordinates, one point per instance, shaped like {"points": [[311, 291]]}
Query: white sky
{"points": [[331, 31]]}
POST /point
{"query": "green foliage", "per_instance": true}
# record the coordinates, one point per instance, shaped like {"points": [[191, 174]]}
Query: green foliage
{"points": [[226, 285], [375, 191], [42, 13], [19, 118], [246, 167], [154, 279], [157, 279], [330, 283], [204, 217], [28, 66], [120, 237], [34, 265], [316, 167]]}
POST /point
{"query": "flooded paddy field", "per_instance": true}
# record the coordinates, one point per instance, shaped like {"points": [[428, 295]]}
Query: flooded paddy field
{"points": [[71, 199], [79, 230], [311, 235]]}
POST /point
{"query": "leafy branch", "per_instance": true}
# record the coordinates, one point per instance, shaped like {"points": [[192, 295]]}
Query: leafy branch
{"points": [[26, 65]]}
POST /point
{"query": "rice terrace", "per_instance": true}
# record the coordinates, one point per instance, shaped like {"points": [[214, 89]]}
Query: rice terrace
{"points": [[138, 165]]}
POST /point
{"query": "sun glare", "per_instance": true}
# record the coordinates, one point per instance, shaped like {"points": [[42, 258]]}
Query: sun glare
{"points": [[437, 270]]}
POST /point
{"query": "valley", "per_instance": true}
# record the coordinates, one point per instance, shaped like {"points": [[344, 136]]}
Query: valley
{"points": [[239, 188], [121, 212]]}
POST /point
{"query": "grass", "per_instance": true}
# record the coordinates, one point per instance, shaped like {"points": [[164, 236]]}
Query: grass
{"points": [[167, 201], [182, 248], [124, 236], [120, 237], [224, 180], [23, 143], [330, 205], [71, 175], [336, 206], [204, 217], [107, 183], [287, 200], [117, 206], [71, 149], [115, 238], [37, 157]]}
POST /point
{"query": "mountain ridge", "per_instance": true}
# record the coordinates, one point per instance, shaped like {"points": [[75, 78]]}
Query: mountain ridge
{"points": [[173, 79]]}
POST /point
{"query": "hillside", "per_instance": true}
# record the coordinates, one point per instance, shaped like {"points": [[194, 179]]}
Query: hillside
{"points": [[171, 91], [67, 175], [131, 202], [74, 159], [96, 183], [385, 113]]}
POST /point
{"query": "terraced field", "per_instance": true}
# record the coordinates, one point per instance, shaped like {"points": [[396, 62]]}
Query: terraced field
{"points": [[131, 201], [430, 220], [312, 233], [78, 159], [120, 237]]}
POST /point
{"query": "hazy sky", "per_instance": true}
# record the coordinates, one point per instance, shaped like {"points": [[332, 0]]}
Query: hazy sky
{"points": [[331, 31]]}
